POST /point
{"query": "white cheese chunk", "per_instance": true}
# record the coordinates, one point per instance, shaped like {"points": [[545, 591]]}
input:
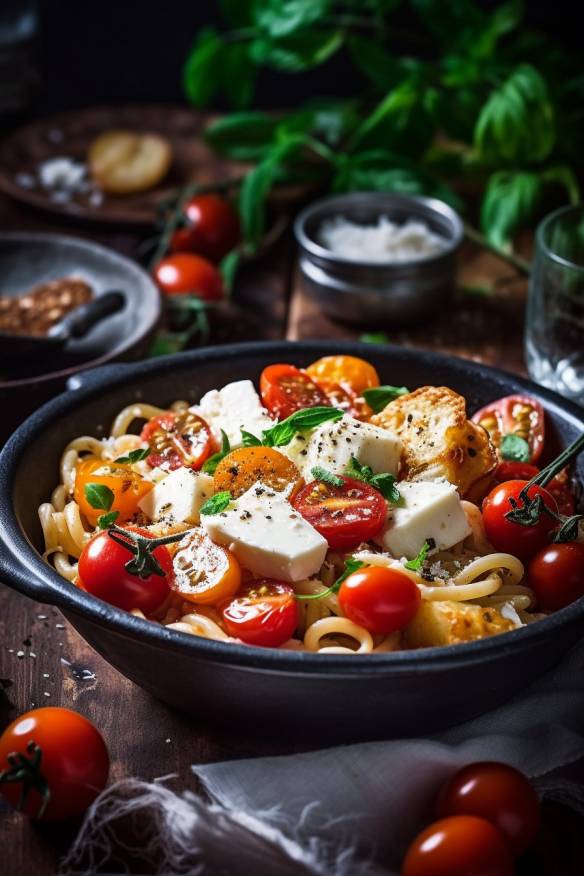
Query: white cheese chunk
{"points": [[333, 444], [235, 407], [431, 510], [268, 536], [178, 497]]}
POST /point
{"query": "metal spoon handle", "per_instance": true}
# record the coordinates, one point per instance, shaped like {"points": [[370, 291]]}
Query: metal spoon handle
{"points": [[81, 320]]}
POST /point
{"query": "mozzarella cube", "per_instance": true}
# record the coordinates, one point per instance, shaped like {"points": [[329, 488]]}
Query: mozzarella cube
{"points": [[178, 498], [235, 407], [431, 510], [268, 536], [332, 445]]}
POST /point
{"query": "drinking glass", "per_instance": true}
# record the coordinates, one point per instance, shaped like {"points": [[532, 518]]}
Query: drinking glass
{"points": [[554, 333]]}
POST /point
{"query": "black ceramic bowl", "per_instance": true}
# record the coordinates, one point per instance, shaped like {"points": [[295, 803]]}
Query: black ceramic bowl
{"points": [[409, 692]]}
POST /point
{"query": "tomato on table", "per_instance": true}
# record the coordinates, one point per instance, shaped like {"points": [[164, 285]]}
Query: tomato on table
{"points": [[518, 415], [103, 573], [242, 468], [500, 794], [263, 613], [556, 575], [345, 515], [510, 537], [126, 485], [204, 572], [347, 371], [185, 273], [462, 845], [379, 599], [558, 487], [65, 759], [177, 439], [286, 389], [211, 228]]}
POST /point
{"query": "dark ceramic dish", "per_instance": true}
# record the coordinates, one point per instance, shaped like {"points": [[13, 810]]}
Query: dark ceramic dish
{"points": [[328, 696]]}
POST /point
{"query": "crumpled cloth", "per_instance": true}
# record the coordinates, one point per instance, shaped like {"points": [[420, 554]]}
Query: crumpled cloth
{"points": [[354, 809]]}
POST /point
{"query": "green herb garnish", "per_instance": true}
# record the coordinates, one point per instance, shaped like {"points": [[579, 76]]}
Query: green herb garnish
{"points": [[99, 496], [135, 455], [301, 421], [374, 338], [384, 482], [249, 440], [107, 520], [327, 477], [216, 503], [142, 547], [351, 565], [514, 448], [211, 464], [416, 564], [379, 396]]}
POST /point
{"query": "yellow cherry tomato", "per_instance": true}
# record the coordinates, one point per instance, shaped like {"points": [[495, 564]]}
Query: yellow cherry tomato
{"points": [[347, 371], [126, 485], [204, 572]]}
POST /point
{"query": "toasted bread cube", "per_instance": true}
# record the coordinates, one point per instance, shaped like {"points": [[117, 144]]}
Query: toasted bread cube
{"points": [[450, 623]]}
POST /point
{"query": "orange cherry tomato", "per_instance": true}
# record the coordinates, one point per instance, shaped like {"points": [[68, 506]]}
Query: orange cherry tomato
{"points": [[211, 228], [350, 372], [497, 792], [185, 273], [286, 389], [241, 469], [381, 600], [345, 515], [205, 572], [65, 760], [263, 613], [126, 485], [514, 415], [461, 845], [177, 439]]}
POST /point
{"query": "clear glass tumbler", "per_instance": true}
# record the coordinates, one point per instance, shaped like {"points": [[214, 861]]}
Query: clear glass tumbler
{"points": [[554, 332]]}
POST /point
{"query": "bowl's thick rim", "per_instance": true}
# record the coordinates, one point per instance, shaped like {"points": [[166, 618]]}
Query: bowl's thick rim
{"points": [[141, 328], [76, 602]]}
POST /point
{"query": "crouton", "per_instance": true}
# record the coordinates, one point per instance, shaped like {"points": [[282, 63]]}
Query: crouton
{"points": [[449, 623], [439, 441]]}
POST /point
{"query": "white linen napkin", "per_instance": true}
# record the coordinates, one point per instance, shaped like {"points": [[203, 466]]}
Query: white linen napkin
{"points": [[352, 809]]}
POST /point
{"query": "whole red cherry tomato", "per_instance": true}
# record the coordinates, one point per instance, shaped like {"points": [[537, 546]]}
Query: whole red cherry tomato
{"points": [[556, 575], [286, 389], [558, 487], [381, 600], [263, 613], [461, 845], [513, 538], [185, 273], [103, 573], [177, 439], [64, 760], [211, 229], [519, 415], [497, 792]]}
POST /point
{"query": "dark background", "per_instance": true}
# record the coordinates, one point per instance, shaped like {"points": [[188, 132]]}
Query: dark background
{"points": [[119, 51]]}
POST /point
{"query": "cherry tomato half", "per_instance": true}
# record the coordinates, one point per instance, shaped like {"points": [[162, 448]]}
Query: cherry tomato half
{"points": [[350, 372], [461, 845], [513, 538], [345, 515], [211, 230], [556, 575], [558, 487], [177, 439], [185, 273], [126, 485], [497, 792], [344, 398], [204, 572], [73, 763], [103, 573], [381, 600], [514, 415], [263, 613], [286, 389]]}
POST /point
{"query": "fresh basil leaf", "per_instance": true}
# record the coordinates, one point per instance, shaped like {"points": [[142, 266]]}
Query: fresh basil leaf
{"points": [[282, 17], [514, 448], [358, 471], [416, 564], [301, 421], [210, 465], [385, 483], [244, 136], [228, 267], [379, 397], [216, 503], [327, 477], [250, 440], [238, 74], [374, 338], [373, 60], [510, 201], [135, 455], [297, 51], [107, 520], [400, 122], [202, 69], [99, 496]]}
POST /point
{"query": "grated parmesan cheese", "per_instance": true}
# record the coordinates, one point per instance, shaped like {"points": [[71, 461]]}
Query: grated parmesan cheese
{"points": [[384, 242]]}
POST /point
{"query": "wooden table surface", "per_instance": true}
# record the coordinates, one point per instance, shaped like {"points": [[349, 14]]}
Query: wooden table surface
{"points": [[43, 661]]}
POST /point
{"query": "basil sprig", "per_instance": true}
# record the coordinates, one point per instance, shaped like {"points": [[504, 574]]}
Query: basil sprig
{"points": [[379, 396], [327, 477], [135, 455], [99, 496], [514, 448], [211, 464], [249, 440], [301, 421], [416, 564], [351, 565], [216, 503], [384, 482]]}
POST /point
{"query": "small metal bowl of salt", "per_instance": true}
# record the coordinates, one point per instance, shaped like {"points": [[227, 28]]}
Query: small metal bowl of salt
{"points": [[376, 258]]}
